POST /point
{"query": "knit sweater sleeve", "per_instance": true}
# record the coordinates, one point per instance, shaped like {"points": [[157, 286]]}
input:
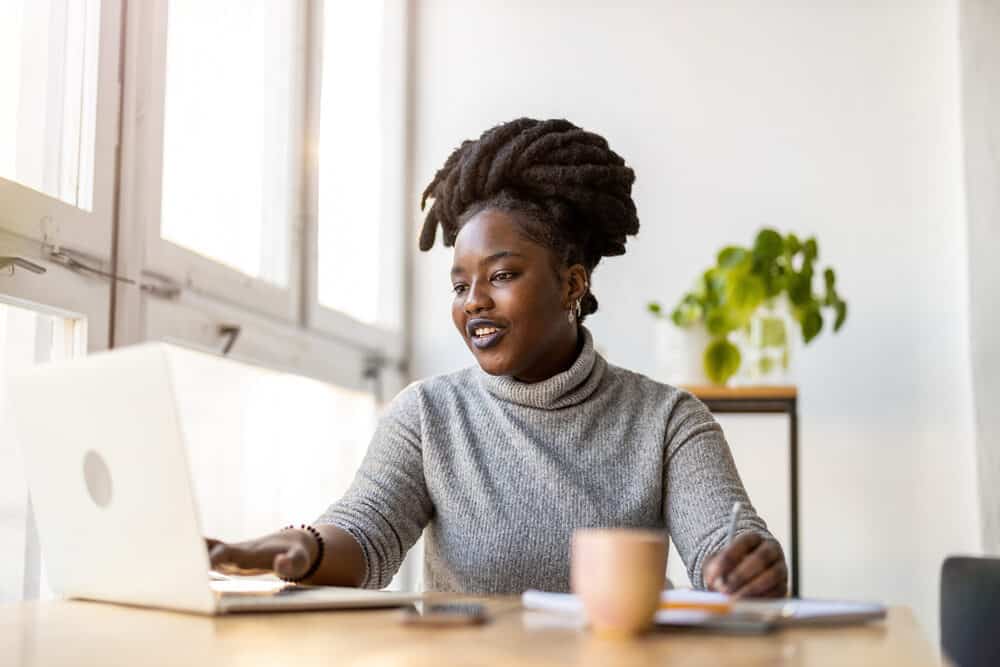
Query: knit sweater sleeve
{"points": [[387, 505], [701, 486]]}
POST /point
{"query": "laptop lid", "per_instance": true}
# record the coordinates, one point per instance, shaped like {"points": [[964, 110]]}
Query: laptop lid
{"points": [[109, 479]]}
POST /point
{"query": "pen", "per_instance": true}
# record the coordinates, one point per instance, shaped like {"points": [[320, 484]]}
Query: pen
{"points": [[733, 518], [720, 607]]}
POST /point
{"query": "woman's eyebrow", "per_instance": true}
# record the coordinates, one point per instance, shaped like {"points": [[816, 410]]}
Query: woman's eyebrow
{"points": [[489, 260]]}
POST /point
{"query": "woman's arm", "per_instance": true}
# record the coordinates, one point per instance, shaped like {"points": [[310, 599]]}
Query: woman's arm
{"points": [[701, 486], [388, 505], [368, 531]]}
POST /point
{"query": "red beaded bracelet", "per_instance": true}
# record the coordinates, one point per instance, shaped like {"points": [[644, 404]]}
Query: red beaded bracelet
{"points": [[320, 548]]}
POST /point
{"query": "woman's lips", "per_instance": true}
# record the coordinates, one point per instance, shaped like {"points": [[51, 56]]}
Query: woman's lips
{"points": [[489, 340]]}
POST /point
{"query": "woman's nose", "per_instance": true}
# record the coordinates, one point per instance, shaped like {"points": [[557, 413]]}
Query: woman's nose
{"points": [[477, 299]]}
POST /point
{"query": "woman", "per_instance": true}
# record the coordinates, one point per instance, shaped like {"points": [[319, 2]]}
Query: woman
{"points": [[500, 463]]}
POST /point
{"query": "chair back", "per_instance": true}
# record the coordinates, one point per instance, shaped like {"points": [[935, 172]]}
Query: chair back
{"points": [[970, 611]]}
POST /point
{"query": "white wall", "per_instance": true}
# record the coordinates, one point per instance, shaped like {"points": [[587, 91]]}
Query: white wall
{"points": [[980, 39], [829, 118]]}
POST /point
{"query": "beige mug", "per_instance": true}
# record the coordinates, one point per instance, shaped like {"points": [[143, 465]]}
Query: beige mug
{"points": [[618, 574]]}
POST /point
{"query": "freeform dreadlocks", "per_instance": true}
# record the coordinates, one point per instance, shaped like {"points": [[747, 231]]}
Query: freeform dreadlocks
{"points": [[574, 190]]}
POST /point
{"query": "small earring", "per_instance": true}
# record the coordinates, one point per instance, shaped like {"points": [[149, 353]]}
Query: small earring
{"points": [[578, 309], [570, 317]]}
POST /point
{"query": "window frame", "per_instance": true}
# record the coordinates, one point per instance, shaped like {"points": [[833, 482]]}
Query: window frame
{"points": [[210, 288], [58, 292], [394, 213], [51, 221], [166, 260]]}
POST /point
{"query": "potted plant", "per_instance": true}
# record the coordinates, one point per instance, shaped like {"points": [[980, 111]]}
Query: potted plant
{"points": [[746, 297]]}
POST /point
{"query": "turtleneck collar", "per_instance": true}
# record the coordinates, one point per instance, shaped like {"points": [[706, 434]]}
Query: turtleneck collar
{"points": [[572, 386]]}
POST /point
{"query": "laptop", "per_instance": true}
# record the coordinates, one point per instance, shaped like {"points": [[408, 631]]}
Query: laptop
{"points": [[112, 493]]}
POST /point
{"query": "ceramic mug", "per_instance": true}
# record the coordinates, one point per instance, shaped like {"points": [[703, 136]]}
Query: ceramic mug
{"points": [[618, 574]]}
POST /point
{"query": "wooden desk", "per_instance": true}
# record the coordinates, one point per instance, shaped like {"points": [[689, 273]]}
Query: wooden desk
{"points": [[88, 633], [781, 399]]}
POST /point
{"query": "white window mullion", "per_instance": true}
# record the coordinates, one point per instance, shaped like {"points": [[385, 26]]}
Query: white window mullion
{"points": [[44, 327]]}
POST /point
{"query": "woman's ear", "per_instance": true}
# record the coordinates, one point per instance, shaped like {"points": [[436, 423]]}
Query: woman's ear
{"points": [[576, 283]]}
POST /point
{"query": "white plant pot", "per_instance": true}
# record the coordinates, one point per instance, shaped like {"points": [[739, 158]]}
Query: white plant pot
{"points": [[767, 346], [679, 353]]}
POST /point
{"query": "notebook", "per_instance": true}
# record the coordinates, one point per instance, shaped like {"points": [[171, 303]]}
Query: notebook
{"points": [[715, 611]]}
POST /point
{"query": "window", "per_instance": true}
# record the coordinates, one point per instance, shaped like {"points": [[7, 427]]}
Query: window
{"points": [[228, 132], [48, 57], [27, 337], [358, 110], [279, 127], [59, 123], [350, 159], [217, 153]]}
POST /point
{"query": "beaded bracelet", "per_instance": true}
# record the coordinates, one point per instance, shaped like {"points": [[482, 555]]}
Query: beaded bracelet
{"points": [[321, 547]]}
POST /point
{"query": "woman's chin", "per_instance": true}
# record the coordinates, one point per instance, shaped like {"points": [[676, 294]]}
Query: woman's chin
{"points": [[494, 369], [493, 366]]}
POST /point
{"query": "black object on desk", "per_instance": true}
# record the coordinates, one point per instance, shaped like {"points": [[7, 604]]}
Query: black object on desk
{"points": [[970, 607]]}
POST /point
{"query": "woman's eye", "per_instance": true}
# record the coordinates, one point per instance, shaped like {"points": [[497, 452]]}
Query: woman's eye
{"points": [[503, 276], [459, 288]]}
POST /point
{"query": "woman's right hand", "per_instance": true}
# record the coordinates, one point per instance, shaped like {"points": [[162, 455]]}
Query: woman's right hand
{"points": [[288, 553]]}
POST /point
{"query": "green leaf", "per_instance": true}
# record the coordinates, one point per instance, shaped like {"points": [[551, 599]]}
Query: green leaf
{"points": [[768, 244], [792, 244], [745, 293], [812, 322], [800, 288], [655, 308], [717, 323], [772, 285], [714, 286], [772, 332], [688, 311], [731, 256], [811, 250], [841, 309], [722, 360], [830, 278]]}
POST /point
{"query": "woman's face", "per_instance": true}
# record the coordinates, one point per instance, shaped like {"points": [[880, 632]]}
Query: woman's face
{"points": [[511, 303]]}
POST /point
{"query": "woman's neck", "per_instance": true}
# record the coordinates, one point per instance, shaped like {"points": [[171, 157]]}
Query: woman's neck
{"points": [[564, 356]]}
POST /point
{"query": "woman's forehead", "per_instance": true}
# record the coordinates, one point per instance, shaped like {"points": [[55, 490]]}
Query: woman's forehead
{"points": [[493, 231]]}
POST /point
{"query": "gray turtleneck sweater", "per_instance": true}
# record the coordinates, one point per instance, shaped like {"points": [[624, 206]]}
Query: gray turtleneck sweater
{"points": [[499, 473]]}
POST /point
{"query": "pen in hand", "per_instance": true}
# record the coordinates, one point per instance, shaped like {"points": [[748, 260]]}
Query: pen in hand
{"points": [[733, 520]]}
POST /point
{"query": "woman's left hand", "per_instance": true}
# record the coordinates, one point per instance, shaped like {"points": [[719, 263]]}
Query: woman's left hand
{"points": [[752, 566]]}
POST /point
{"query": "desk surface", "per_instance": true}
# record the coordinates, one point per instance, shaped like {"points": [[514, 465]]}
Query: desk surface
{"points": [[88, 633]]}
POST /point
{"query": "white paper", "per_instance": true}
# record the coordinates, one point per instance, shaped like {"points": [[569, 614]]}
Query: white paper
{"points": [[786, 611]]}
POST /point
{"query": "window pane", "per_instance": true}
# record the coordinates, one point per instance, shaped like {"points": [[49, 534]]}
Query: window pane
{"points": [[230, 132], [26, 338], [48, 75], [350, 164]]}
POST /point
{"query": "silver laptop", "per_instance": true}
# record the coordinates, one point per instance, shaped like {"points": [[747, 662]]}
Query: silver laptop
{"points": [[112, 492]]}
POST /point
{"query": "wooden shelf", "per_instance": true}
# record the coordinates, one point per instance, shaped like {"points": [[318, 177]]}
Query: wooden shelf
{"points": [[713, 393]]}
